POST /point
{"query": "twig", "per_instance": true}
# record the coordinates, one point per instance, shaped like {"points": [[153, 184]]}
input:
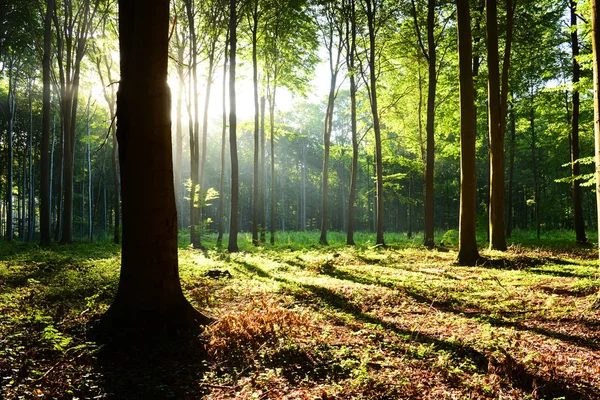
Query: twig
{"points": [[218, 386]]}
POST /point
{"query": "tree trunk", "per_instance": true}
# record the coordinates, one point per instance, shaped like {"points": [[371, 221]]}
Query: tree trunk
{"points": [[596, 62], [235, 199], [11, 117], [429, 166], [496, 206], [223, 136], [327, 145], [45, 192], [536, 188], [262, 174], [193, 126], [577, 207], [511, 173], [354, 167], [149, 298], [371, 17], [467, 246], [272, 143], [178, 162], [255, 184]]}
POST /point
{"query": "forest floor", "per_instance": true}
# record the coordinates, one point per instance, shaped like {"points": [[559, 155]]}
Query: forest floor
{"points": [[303, 321]]}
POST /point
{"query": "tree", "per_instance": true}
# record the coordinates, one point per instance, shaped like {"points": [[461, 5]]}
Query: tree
{"points": [[497, 99], [350, 61], [430, 55], [149, 297], [373, 10], [72, 34], [45, 156], [331, 32], [467, 246], [575, 170], [235, 194], [596, 61]]}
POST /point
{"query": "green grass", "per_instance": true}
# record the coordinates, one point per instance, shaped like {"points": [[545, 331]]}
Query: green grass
{"points": [[303, 320]]}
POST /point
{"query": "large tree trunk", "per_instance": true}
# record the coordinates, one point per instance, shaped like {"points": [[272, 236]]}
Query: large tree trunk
{"points": [[45, 192], [149, 298], [467, 245], [577, 207], [235, 195]]}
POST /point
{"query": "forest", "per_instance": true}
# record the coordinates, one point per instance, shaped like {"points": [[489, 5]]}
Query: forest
{"points": [[299, 199]]}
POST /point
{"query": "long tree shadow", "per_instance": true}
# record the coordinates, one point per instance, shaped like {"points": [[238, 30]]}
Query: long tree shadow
{"points": [[514, 371]]}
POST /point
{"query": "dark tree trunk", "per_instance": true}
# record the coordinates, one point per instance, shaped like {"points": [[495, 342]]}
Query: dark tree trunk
{"points": [[596, 62], [467, 247], [235, 199], [149, 298]]}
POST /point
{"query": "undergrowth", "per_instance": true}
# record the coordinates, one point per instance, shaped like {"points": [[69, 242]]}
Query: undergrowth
{"points": [[302, 320]]}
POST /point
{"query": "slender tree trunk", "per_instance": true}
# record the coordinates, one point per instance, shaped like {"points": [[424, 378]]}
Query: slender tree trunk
{"points": [[596, 62], [194, 127], [90, 192], [233, 221], [511, 174], [223, 136], [149, 298], [354, 166], [536, 188], [467, 246], [304, 188], [262, 174], [272, 142], [327, 144], [45, 180], [50, 192], [30, 197], [178, 162], [577, 207], [431, 91], [496, 138], [11, 116], [255, 184], [371, 16]]}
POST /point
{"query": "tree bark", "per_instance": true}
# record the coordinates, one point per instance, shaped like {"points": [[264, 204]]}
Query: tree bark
{"points": [[11, 116], [467, 245], [149, 298], [262, 173]]}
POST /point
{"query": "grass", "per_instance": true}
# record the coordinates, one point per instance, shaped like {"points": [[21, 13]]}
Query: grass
{"points": [[302, 320]]}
